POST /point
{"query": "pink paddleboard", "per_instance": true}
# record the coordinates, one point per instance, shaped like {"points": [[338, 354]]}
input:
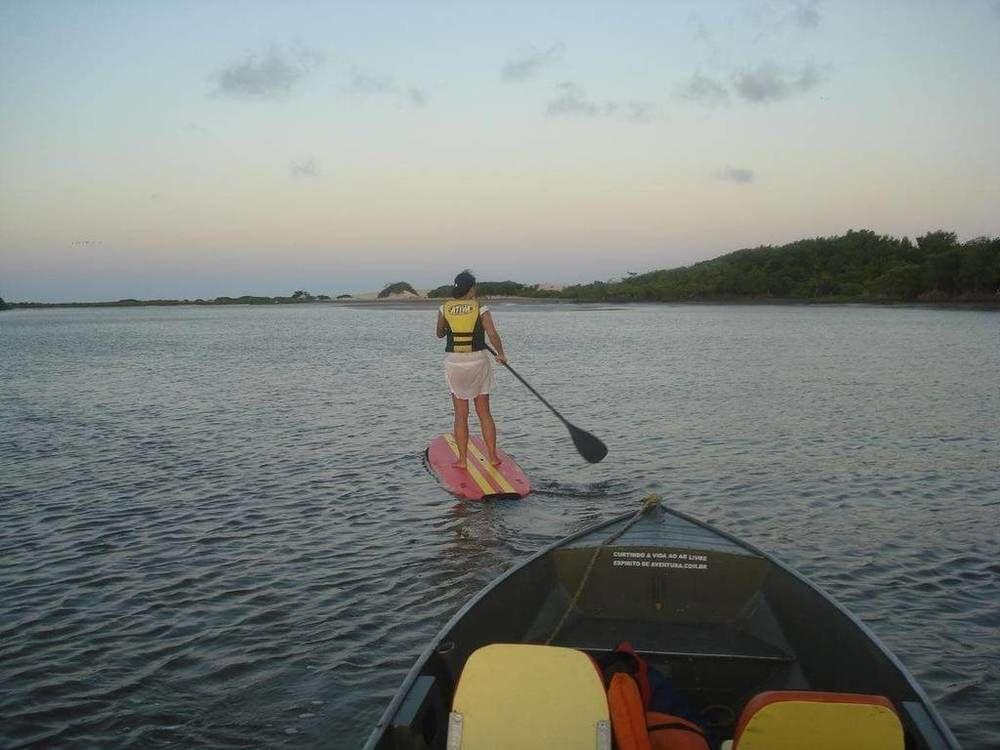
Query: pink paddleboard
{"points": [[479, 480]]}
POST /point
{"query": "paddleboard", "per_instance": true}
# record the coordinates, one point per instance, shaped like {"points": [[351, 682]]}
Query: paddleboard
{"points": [[479, 480]]}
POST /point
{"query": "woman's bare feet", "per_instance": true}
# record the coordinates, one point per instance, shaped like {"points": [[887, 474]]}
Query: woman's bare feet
{"points": [[495, 460]]}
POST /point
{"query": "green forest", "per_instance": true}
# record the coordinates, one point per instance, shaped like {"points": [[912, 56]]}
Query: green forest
{"points": [[499, 289], [858, 266]]}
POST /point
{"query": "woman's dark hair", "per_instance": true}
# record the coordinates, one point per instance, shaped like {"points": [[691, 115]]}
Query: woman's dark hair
{"points": [[463, 283]]}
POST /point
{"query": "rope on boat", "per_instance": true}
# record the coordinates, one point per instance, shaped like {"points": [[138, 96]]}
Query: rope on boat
{"points": [[648, 503]]}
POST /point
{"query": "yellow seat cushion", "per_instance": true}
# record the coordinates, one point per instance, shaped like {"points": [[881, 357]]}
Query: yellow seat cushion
{"points": [[528, 697], [792, 720]]}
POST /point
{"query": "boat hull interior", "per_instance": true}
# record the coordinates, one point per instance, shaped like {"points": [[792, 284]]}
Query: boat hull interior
{"points": [[721, 619]]}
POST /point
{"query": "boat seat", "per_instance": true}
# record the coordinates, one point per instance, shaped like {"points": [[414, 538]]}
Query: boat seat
{"points": [[795, 719], [530, 698]]}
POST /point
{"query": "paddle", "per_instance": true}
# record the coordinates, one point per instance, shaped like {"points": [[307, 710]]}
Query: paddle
{"points": [[589, 446]]}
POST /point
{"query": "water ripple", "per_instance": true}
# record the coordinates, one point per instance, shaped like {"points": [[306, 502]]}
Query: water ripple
{"points": [[219, 531]]}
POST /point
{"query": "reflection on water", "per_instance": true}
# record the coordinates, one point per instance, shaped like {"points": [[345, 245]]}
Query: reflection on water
{"points": [[219, 530]]}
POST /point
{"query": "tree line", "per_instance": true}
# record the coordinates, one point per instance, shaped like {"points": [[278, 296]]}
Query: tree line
{"points": [[857, 266], [499, 289], [299, 296]]}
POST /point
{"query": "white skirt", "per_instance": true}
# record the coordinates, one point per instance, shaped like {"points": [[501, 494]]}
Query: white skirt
{"points": [[469, 374]]}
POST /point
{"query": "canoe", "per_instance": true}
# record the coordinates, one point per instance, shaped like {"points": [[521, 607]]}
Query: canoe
{"points": [[731, 626]]}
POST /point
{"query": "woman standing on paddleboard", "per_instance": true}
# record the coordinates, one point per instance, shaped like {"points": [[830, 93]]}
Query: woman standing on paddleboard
{"points": [[467, 366]]}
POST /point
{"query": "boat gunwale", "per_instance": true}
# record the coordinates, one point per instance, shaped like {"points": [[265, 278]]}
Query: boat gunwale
{"points": [[411, 676], [939, 722], [378, 731]]}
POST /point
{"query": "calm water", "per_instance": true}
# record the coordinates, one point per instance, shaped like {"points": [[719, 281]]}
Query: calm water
{"points": [[218, 532]]}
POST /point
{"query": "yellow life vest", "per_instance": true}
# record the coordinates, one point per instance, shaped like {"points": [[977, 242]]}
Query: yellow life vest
{"points": [[463, 326]]}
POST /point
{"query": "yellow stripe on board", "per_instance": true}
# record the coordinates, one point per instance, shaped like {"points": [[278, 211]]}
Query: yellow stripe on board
{"points": [[479, 479], [492, 470]]}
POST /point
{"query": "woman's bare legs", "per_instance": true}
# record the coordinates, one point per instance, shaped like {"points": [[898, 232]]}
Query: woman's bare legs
{"points": [[461, 429], [486, 424]]}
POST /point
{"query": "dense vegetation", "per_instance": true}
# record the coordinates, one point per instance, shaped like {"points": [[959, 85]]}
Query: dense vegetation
{"points": [[859, 265], [3, 305], [499, 289], [297, 297], [400, 287], [440, 292]]}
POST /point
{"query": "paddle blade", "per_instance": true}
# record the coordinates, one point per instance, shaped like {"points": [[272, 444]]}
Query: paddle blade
{"points": [[589, 446]]}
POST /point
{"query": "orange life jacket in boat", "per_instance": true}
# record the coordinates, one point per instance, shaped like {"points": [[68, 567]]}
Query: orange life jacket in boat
{"points": [[628, 714], [635, 728], [668, 732]]}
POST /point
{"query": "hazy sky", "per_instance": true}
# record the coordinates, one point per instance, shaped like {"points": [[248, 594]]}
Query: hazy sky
{"points": [[196, 149]]}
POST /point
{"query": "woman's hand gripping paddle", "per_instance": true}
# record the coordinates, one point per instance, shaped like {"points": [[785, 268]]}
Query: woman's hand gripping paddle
{"points": [[590, 447]]}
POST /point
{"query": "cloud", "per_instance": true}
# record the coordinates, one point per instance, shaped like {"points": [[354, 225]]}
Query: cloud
{"points": [[306, 167], [631, 111], [738, 175], [637, 111], [996, 7], [765, 19], [703, 90], [528, 67], [701, 31], [268, 75], [366, 83], [769, 82], [809, 77], [417, 96], [369, 84], [573, 101], [805, 13]]}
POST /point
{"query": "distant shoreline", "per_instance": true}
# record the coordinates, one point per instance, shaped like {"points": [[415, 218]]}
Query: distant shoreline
{"points": [[402, 301], [857, 268]]}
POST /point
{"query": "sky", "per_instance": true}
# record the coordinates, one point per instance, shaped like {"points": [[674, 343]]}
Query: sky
{"points": [[196, 149]]}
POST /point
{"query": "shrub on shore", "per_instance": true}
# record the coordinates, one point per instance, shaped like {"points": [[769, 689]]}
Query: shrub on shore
{"points": [[400, 287]]}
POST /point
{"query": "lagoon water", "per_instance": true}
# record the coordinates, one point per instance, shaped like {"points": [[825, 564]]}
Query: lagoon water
{"points": [[217, 530]]}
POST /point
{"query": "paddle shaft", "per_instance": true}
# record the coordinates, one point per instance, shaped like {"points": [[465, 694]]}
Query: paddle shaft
{"points": [[587, 445], [528, 386]]}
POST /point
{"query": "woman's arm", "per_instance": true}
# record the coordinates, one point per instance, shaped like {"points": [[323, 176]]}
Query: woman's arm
{"points": [[494, 337], [441, 327]]}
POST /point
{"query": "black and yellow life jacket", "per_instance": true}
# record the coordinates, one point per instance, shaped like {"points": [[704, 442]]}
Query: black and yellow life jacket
{"points": [[463, 326]]}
